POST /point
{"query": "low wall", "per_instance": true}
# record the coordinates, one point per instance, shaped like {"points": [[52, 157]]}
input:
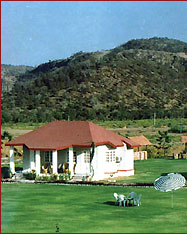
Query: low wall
{"points": [[140, 155]]}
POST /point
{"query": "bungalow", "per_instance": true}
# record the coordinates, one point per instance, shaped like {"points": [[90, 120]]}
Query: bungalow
{"points": [[82, 147], [143, 142]]}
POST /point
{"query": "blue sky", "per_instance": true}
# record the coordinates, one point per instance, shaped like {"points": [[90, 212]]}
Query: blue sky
{"points": [[36, 32]]}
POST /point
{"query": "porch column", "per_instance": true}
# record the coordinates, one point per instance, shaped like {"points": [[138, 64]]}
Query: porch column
{"points": [[54, 155], [37, 162], [32, 163], [12, 165], [71, 160]]}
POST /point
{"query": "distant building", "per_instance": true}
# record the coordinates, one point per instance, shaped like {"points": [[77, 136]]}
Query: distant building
{"points": [[142, 141]]}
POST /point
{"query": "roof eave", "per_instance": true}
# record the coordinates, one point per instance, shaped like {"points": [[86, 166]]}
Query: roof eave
{"points": [[14, 144], [132, 145]]}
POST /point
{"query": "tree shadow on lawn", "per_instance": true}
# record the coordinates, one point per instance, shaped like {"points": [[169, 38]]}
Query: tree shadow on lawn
{"points": [[182, 173]]}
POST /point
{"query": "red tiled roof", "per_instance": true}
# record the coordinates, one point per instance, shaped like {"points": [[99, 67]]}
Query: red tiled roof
{"points": [[141, 140], [64, 134]]}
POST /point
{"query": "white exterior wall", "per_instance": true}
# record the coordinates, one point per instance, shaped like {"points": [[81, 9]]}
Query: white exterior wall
{"points": [[127, 164], [79, 169], [98, 162], [12, 165], [54, 159], [71, 160], [26, 158], [32, 162], [103, 169], [38, 162], [82, 168]]}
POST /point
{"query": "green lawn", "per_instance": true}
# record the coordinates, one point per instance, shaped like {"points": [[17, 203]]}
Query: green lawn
{"points": [[38, 208], [146, 171]]}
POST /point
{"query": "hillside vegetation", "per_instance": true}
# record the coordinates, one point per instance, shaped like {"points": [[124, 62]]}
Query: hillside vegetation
{"points": [[132, 81], [9, 75]]}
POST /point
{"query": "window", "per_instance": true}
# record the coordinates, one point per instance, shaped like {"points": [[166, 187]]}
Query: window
{"points": [[86, 156], [75, 157], [111, 156], [48, 156], [118, 159]]}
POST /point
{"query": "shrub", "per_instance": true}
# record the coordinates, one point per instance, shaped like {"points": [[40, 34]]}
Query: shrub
{"points": [[37, 177], [30, 175], [47, 178], [169, 125], [67, 176], [178, 129], [43, 178], [54, 177], [83, 178], [5, 173], [61, 177], [152, 152]]}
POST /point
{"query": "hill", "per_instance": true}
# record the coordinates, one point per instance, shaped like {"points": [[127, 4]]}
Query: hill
{"points": [[158, 44], [129, 82], [9, 75]]}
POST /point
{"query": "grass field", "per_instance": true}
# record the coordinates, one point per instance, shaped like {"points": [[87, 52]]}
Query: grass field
{"points": [[146, 171], [40, 207]]}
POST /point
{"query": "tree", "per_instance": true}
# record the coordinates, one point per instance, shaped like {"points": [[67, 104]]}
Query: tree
{"points": [[5, 116], [163, 141], [5, 135], [91, 157]]}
